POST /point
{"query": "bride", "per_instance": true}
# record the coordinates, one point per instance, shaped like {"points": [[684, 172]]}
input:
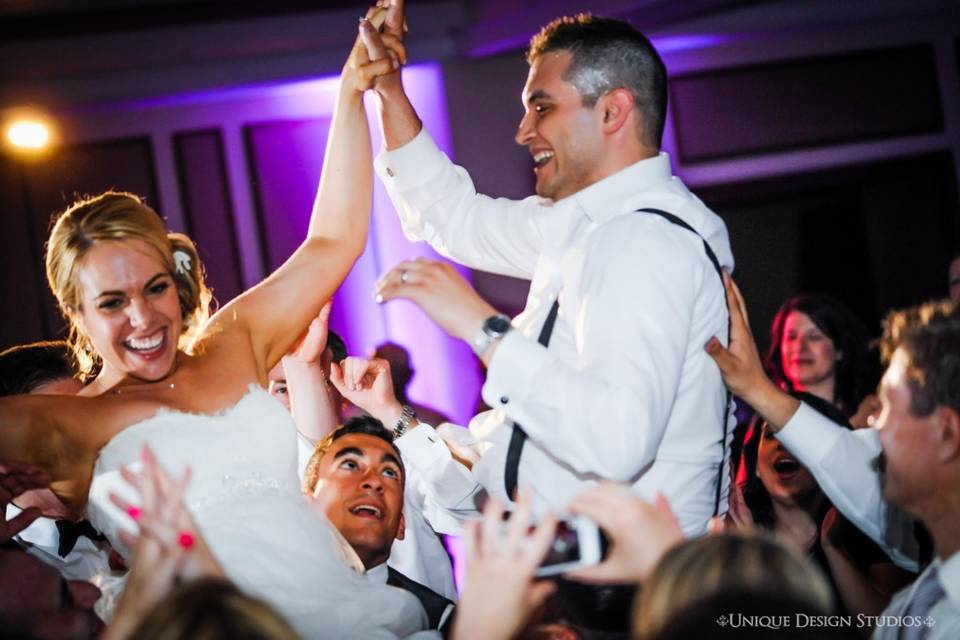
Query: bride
{"points": [[194, 387]]}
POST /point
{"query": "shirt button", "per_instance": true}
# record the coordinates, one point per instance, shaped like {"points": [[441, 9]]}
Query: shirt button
{"points": [[504, 399], [389, 172]]}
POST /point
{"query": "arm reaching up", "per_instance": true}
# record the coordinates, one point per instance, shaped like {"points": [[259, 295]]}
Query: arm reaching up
{"points": [[277, 310], [308, 390], [399, 121]]}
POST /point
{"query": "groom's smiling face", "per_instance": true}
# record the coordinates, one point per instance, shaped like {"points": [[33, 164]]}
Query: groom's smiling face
{"points": [[360, 488]]}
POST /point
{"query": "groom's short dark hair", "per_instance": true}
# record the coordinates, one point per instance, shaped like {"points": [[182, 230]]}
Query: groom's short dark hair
{"points": [[608, 54], [364, 425]]}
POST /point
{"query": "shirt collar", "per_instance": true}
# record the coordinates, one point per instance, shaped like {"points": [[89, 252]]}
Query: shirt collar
{"points": [[604, 199], [345, 552], [379, 573], [42, 532], [950, 577]]}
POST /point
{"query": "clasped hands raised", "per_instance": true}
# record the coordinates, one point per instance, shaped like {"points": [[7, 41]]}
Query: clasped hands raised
{"points": [[378, 51]]}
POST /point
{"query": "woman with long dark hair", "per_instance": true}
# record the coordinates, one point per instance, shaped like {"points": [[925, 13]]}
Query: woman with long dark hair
{"points": [[818, 346]]}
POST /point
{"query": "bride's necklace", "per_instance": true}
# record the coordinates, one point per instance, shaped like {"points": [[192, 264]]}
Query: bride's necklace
{"points": [[148, 386]]}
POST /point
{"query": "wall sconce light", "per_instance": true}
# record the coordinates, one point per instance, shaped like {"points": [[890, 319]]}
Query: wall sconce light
{"points": [[28, 134]]}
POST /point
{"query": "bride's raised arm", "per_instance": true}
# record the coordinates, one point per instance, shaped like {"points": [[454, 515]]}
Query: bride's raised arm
{"points": [[276, 311]]}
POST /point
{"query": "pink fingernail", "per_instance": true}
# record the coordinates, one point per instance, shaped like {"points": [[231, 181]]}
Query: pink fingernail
{"points": [[186, 539], [134, 512]]}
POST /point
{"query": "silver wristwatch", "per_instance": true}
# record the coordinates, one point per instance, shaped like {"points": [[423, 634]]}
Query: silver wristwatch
{"points": [[493, 329], [404, 421]]}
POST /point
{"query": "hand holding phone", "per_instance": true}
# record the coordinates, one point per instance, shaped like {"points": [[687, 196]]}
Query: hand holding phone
{"points": [[640, 532], [577, 543]]}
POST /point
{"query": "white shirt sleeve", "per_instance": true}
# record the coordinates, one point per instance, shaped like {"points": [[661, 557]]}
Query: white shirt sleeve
{"points": [[844, 464], [606, 412], [445, 490], [437, 202]]}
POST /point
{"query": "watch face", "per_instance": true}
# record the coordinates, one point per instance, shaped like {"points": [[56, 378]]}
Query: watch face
{"points": [[497, 325]]}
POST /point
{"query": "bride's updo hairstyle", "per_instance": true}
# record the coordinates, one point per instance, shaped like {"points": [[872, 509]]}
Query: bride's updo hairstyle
{"points": [[118, 217]]}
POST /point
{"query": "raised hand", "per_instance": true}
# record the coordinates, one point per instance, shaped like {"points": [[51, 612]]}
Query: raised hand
{"points": [[363, 68], [387, 41], [443, 294], [314, 341], [366, 383], [739, 362], [742, 369], [169, 542], [15, 479], [168, 550], [639, 532], [499, 592], [395, 23]]}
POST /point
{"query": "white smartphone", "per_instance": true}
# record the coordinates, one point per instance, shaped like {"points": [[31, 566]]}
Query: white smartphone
{"points": [[578, 542]]}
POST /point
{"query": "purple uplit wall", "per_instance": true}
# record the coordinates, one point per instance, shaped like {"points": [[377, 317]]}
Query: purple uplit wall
{"points": [[447, 374], [284, 157]]}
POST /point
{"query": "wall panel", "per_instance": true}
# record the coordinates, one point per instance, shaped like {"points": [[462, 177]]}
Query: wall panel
{"points": [[806, 103], [208, 209]]}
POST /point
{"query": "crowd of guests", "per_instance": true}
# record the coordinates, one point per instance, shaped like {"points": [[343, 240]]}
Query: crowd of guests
{"points": [[831, 512]]}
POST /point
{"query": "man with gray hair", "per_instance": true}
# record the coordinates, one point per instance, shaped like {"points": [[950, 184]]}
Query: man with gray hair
{"points": [[603, 375]]}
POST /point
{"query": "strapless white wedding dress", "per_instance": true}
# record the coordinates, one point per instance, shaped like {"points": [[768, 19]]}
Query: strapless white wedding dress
{"points": [[246, 500]]}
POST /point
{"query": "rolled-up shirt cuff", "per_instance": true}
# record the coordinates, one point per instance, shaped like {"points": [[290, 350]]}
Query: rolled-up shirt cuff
{"points": [[513, 371], [810, 432], [410, 166]]}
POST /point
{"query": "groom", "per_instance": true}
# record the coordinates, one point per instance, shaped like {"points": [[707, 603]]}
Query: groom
{"points": [[602, 376]]}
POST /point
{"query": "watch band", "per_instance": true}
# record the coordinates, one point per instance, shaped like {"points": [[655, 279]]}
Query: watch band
{"points": [[493, 329], [407, 416]]}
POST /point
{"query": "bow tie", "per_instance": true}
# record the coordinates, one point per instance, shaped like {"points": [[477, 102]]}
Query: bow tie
{"points": [[70, 532]]}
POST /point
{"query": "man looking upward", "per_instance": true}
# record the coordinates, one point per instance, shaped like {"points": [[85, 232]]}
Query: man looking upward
{"points": [[625, 298], [356, 477]]}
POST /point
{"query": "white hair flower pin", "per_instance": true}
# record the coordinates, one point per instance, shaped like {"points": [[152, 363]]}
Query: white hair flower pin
{"points": [[182, 262]]}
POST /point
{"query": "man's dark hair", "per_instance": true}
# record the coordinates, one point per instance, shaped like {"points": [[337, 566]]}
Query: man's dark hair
{"points": [[609, 54], [365, 425], [930, 336], [26, 367], [338, 348]]}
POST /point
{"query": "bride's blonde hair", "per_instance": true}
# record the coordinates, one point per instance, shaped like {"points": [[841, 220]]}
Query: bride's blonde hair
{"points": [[118, 216]]}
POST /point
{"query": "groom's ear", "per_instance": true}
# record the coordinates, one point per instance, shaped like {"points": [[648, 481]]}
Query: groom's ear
{"points": [[402, 529]]}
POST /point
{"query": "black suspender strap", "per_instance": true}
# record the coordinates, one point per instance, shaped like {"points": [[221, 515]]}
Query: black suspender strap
{"points": [[726, 407], [519, 436]]}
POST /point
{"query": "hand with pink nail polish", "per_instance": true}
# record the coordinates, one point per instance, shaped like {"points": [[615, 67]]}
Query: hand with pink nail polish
{"points": [[168, 548]]}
